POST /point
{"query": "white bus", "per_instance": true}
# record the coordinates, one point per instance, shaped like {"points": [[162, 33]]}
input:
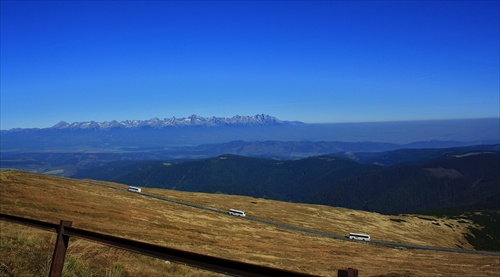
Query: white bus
{"points": [[134, 189], [236, 212], [357, 236]]}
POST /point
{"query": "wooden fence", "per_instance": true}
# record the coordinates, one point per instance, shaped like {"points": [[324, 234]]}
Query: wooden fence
{"points": [[235, 268]]}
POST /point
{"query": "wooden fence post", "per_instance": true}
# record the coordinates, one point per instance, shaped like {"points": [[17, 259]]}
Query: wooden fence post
{"points": [[350, 272], [60, 250]]}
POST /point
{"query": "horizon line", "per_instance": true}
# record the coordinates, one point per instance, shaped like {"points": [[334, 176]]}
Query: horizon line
{"points": [[318, 123]]}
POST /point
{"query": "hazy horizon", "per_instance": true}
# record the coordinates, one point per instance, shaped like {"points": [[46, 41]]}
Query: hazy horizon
{"points": [[282, 119]]}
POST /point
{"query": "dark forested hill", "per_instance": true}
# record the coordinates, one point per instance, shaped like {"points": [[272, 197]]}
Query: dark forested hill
{"points": [[416, 155], [291, 180], [450, 182], [445, 179]]}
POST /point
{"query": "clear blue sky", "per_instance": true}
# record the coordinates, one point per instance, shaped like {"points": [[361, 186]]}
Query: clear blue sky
{"points": [[316, 62]]}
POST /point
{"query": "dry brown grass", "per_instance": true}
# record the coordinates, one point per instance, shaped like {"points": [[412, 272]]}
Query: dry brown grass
{"points": [[27, 251], [133, 216]]}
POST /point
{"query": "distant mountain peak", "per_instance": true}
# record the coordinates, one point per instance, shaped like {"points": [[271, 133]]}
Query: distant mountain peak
{"points": [[192, 120], [62, 124]]}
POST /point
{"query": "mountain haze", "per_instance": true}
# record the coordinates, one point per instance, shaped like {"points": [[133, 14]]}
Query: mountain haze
{"points": [[133, 135]]}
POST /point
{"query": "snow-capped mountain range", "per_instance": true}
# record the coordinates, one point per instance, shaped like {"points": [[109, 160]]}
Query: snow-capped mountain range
{"points": [[193, 120]]}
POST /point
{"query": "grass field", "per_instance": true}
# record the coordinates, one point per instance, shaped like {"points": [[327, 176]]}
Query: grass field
{"points": [[130, 215]]}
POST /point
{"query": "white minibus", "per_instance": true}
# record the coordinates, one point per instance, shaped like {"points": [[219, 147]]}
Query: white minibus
{"points": [[134, 189], [236, 212], [358, 236]]}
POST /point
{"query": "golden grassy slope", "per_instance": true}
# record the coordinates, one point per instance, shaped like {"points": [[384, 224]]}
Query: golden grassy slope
{"points": [[133, 216]]}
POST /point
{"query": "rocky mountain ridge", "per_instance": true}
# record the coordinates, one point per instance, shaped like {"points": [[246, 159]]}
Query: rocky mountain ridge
{"points": [[193, 120]]}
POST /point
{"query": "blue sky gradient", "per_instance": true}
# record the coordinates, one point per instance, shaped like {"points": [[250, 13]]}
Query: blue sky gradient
{"points": [[316, 62]]}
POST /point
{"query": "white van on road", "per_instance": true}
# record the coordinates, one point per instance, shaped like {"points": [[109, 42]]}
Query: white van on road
{"points": [[236, 212], [357, 236], [134, 189]]}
